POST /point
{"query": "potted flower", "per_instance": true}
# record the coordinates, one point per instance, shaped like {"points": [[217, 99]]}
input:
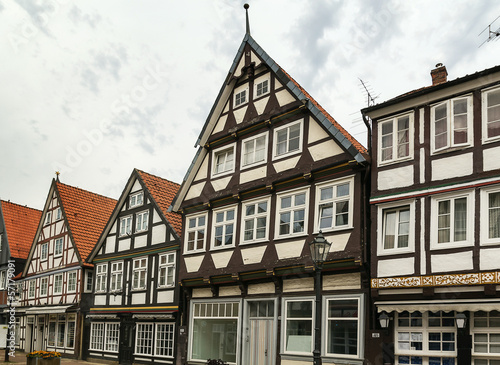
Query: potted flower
{"points": [[43, 358]]}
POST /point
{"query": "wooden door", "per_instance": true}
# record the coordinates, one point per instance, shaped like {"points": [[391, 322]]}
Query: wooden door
{"points": [[127, 330], [261, 329]]}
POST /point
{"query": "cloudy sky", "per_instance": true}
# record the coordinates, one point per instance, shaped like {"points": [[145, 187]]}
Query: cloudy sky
{"points": [[95, 88]]}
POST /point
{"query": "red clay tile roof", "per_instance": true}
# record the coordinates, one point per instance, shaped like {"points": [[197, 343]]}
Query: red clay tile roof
{"points": [[163, 192], [21, 224], [87, 214]]}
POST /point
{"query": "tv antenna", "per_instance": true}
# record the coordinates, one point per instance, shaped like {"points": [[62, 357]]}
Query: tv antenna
{"points": [[369, 98], [492, 34]]}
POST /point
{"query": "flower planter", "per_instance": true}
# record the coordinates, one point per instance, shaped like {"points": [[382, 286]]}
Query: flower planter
{"points": [[42, 361]]}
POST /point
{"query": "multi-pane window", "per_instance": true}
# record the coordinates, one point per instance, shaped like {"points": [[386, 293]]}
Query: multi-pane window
{"points": [[70, 333], [58, 281], [262, 88], [51, 341], [334, 207], [48, 218], [139, 273], [3, 279], [58, 246], [136, 199], [215, 331], [396, 228], [62, 330], [104, 336], [292, 213], [395, 138], [44, 251], [58, 213], [240, 98], [451, 217], [125, 226], [451, 123], [97, 336], [491, 114], [88, 281], [288, 139], [223, 160], [72, 282], [223, 231], [141, 221], [116, 276], [195, 233], [101, 274], [31, 288], [44, 284], [254, 150], [298, 330], [343, 326], [255, 215], [486, 338], [112, 336], [144, 339], [164, 344], [167, 270], [490, 212]]}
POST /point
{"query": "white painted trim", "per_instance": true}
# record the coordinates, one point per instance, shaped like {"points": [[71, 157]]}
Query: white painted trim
{"points": [[266, 199], [394, 121], [483, 212], [220, 150], [380, 228], [291, 209], [224, 211], [258, 163], [300, 122], [187, 230], [484, 113]]}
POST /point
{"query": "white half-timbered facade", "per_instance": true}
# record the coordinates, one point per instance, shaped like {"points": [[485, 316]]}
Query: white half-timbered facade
{"points": [[134, 311], [435, 207], [273, 169], [56, 277]]}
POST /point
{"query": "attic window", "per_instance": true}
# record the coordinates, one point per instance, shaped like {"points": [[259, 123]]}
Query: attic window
{"points": [[136, 199], [48, 218], [223, 161], [261, 85], [58, 214], [240, 98]]}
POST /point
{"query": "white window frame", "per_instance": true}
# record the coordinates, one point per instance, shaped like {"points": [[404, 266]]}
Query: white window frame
{"points": [[484, 213], [238, 91], [450, 144], [100, 339], [136, 199], [138, 340], [334, 200], [32, 289], [292, 194], [101, 276], [125, 226], [487, 330], [196, 230], [284, 324], [72, 279], [58, 246], [170, 332], [288, 153], [394, 138], [140, 268], [97, 336], [166, 269], [44, 286], [225, 225], [56, 277], [48, 218], [116, 276], [484, 99], [44, 251], [3, 279], [470, 214], [89, 275], [381, 216], [358, 316], [224, 150], [112, 344], [259, 81], [255, 218], [58, 214], [142, 221], [253, 140]]}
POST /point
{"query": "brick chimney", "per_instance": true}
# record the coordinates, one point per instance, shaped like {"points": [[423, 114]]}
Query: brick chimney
{"points": [[439, 74]]}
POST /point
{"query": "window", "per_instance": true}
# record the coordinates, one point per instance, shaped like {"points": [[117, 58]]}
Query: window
{"points": [[195, 233], [287, 139], [167, 270], [104, 336], [44, 284], [223, 160], [3, 277], [396, 226], [96, 336], [58, 247], [58, 214], [112, 336], [116, 276], [215, 331], [72, 282], [101, 276], [490, 213], [139, 272], [395, 138], [58, 280], [344, 330], [255, 221], [261, 87], [136, 199], [88, 281], [491, 114], [1, 242], [451, 123], [48, 218], [144, 339], [61, 330], [298, 322], [240, 95], [141, 222], [485, 332], [31, 288], [223, 231], [44, 251], [451, 221], [292, 213], [254, 150], [70, 334], [334, 205], [425, 338], [164, 339], [125, 226], [52, 330]]}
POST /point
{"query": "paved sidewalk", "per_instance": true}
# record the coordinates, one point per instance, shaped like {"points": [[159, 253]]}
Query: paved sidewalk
{"points": [[20, 358]]}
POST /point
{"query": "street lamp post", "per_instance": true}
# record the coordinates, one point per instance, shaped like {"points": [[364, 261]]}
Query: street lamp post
{"points": [[319, 250]]}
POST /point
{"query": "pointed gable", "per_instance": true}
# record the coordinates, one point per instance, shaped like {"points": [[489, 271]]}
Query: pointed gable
{"points": [[20, 223]]}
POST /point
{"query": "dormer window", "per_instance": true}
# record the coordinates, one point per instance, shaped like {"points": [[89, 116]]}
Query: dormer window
{"points": [[223, 160], [136, 199]]}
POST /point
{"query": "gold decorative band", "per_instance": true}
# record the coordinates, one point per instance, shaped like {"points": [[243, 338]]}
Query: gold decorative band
{"points": [[437, 280]]}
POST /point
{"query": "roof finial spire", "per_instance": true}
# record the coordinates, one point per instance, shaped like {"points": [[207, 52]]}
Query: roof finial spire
{"points": [[57, 176], [246, 6]]}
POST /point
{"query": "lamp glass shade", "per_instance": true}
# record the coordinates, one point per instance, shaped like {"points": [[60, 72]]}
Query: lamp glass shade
{"points": [[319, 249], [384, 320], [460, 320]]}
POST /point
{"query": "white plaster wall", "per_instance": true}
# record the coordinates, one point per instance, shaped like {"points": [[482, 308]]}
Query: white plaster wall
{"points": [[449, 167], [110, 244], [422, 165], [221, 123], [339, 241], [136, 187], [221, 259], [159, 234], [277, 84], [115, 299], [316, 132], [59, 225], [193, 263], [156, 216], [452, 262], [138, 298], [165, 296], [301, 284], [221, 184], [239, 114], [99, 300], [395, 178], [290, 249], [284, 97], [140, 241], [324, 150], [489, 259], [203, 170], [113, 228], [253, 174], [292, 362], [490, 159], [195, 191], [202, 292], [252, 255], [342, 281], [421, 125], [70, 298], [229, 291], [286, 164], [264, 288], [396, 267], [124, 245], [260, 105]]}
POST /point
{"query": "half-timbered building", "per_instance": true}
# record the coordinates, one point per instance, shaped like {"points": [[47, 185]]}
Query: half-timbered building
{"points": [[56, 277], [435, 207], [273, 169], [134, 312]]}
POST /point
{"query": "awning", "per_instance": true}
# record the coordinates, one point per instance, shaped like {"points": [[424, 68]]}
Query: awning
{"points": [[472, 305], [48, 310]]}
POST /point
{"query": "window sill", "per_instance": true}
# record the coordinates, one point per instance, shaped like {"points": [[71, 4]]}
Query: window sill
{"points": [[450, 149], [221, 174], [394, 252], [221, 248], [288, 154], [393, 162], [290, 236], [253, 165], [252, 242], [451, 245], [332, 230], [193, 252]]}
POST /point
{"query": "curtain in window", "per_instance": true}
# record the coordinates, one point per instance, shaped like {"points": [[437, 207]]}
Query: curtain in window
{"points": [[494, 215]]}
